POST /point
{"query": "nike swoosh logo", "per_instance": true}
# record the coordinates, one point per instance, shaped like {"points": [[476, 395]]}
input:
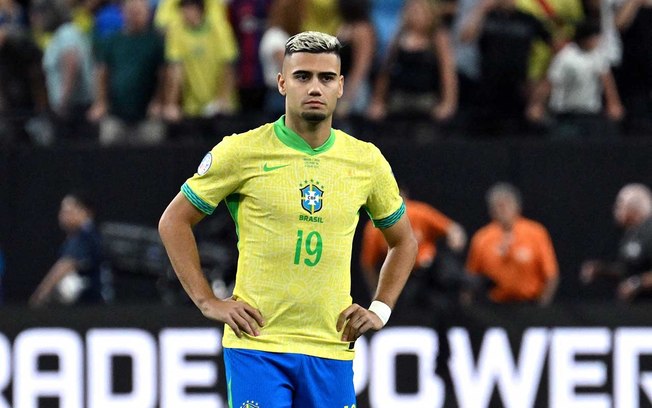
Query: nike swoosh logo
{"points": [[270, 168]]}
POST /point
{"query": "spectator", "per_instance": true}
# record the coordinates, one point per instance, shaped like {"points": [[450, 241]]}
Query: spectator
{"points": [[248, 19], [513, 252], [358, 48], [436, 273], [129, 81], [68, 68], [505, 36], [610, 44], [419, 72], [633, 268], [2, 274], [76, 277], [22, 87], [200, 75], [560, 18], [284, 21], [633, 20], [168, 13], [578, 78], [321, 15]]}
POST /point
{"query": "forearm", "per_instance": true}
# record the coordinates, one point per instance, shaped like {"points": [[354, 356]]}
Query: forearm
{"points": [[625, 16], [101, 85], [472, 27], [395, 272], [228, 82], [173, 84], [549, 291], [58, 271], [70, 71], [181, 247], [612, 98]]}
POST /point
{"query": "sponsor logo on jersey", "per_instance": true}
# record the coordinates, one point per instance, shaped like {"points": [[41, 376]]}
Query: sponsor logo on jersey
{"points": [[312, 197], [267, 168]]}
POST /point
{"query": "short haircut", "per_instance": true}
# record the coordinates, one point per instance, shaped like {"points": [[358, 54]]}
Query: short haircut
{"points": [[504, 189], [198, 3], [83, 199], [586, 29], [313, 42]]}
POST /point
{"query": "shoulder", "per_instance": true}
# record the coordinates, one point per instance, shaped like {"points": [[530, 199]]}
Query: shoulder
{"points": [[484, 234], [366, 150], [533, 227], [253, 137]]}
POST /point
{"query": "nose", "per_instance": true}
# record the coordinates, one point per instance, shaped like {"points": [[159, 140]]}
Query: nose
{"points": [[315, 88]]}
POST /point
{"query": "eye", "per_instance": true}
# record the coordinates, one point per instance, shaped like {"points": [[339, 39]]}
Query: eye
{"points": [[301, 76]]}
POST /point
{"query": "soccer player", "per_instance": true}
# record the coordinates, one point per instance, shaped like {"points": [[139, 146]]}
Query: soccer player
{"points": [[294, 189]]}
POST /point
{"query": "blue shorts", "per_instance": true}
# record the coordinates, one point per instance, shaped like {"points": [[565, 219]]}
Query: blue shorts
{"points": [[284, 380]]}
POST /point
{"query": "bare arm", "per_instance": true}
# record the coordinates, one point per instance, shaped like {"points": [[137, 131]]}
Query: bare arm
{"points": [[364, 43], [175, 228], [549, 291], [627, 13], [614, 106], [356, 320], [399, 262], [171, 109], [449, 85], [473, 25], [101, 104], [58, 271], [70, 68]]}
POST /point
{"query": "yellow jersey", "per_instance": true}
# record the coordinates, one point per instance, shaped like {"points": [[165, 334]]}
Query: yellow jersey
{"points": [[296, 209]]}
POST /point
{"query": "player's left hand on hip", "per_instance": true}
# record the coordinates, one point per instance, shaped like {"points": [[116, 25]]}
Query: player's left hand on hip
{"points": [[356, 320]]}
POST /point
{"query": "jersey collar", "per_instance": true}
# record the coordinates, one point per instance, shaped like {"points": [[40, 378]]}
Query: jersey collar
{"points": [[292, 140]]}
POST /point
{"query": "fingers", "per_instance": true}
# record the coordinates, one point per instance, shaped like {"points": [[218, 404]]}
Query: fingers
{"points": [[356, 320]]}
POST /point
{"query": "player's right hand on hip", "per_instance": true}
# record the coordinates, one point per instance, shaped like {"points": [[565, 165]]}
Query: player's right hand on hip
{"points": [[238, 315]]}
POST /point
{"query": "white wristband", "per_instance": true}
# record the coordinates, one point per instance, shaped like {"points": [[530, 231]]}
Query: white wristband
{"points": [[382, 310]]}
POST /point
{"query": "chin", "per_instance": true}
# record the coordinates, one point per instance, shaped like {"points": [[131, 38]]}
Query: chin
{"points": [[313, 116]]}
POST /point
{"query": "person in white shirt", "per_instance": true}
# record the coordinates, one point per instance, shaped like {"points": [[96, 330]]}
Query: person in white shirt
{"points": [[578, 78]]}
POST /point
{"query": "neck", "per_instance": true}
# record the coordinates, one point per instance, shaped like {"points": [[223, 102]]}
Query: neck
{"points": [[314, 133]]}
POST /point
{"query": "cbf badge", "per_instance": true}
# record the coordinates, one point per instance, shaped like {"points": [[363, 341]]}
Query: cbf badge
{"points": [[312, 197]]}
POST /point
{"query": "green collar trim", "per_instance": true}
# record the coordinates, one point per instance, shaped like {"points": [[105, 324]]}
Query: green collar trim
{"points": [[292, 140]]}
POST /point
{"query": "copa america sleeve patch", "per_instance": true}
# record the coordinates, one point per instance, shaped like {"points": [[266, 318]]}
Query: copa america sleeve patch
{"points": [[205, 164]]}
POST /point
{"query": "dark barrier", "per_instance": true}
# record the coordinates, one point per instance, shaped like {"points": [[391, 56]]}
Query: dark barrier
{"points": [[566, 356], [569, 187]]}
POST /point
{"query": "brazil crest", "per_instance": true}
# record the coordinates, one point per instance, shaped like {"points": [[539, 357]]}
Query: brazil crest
{"points": [[311, 198]]}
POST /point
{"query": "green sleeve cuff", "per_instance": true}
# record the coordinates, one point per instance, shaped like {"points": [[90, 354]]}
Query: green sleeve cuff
{"points": [[197, 201], [390, 220]]}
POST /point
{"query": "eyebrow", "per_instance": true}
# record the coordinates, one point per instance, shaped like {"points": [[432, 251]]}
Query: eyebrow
{"points": [[303, 71]]}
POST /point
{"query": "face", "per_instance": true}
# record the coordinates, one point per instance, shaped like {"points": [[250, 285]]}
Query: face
{"points": [[504, 209], [591, 43], [136, 14], [192, 15], [311, 84], [622, 212], [71, 215]]}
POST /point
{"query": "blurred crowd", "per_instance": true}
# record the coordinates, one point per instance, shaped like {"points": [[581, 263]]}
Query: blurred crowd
{"points": [[146, 71]]}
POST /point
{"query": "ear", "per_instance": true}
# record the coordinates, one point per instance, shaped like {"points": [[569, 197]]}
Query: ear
{"points": [[340, 91], [281, 84]]}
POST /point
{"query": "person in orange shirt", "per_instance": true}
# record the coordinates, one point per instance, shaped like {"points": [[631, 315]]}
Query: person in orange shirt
{"points": [[429, 225], [515, 253]]}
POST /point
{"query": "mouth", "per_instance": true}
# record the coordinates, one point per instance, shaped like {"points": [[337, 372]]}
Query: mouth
{"points": [[314, 103]]}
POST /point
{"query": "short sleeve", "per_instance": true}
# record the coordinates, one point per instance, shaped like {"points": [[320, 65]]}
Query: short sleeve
{"points": [[173, 51], [384, 203], [217, 176]]}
